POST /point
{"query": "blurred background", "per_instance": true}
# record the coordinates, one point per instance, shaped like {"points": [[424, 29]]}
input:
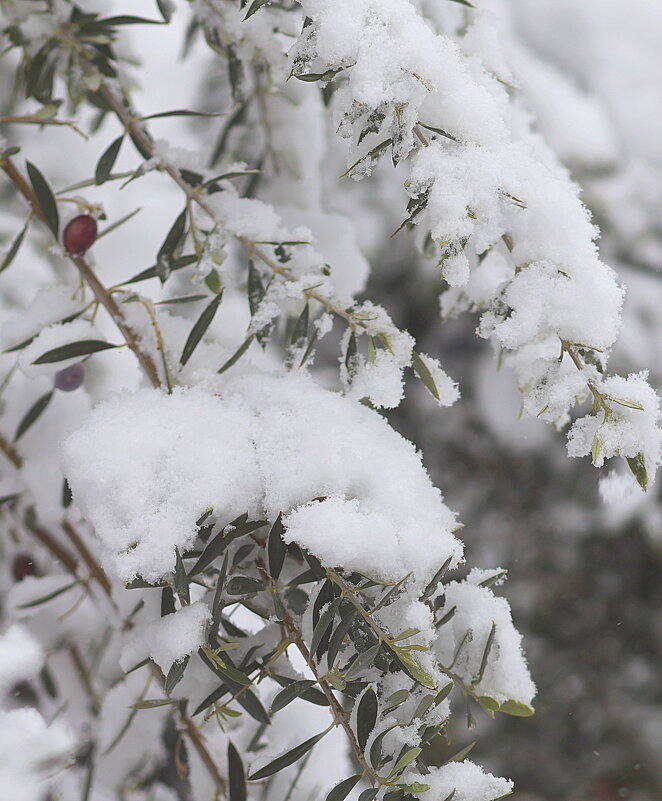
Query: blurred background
{"points": [[585, 571]]}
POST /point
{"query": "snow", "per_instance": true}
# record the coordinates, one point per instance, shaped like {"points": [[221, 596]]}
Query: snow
{"points": [[506, 676], [466, 778], [262, 444], [169, 639], [30, 751], [21, 657]]}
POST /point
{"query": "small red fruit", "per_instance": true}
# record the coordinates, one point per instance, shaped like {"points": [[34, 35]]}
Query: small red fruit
{"points": [[23, 566], [79, 234]]}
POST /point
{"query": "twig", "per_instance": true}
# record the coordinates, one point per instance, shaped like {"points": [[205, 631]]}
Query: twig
{"points": [[95, 568], [88, 274], [10, 452]]}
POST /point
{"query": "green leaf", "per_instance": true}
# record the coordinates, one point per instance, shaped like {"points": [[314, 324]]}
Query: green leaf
{"points": [[217, 603], [182, 112], [236, 775], [343, 788], [434, 583], [175, 674], [166, 255], [107, 161], [488, 704], [181, 580], [123, 19], [323, 77], [276, 548], [394, 700], [220, 542], [73, 350], [462, 753], [167, 601], [154, 703], [243, 585], [363, 660], [166, 13], [637, 465], [486, 653], [370, 156], [14, 248], [202, 324], [288, 758], [469, 5], [366, 717], [322, 626], [516, 708], [45, 197], [440, 131], [151, 272], [48, 597], [412, 667], [184, 299], [422, 371], [237, 355], [255, 6], [289, 694], [300, 332], [33, 414], [339, 634], [409, 756], [414, 787]]}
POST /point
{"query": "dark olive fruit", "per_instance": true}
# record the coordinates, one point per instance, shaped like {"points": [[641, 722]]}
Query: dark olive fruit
{"points": [[70, 378], [79, 234], [23, 566]]}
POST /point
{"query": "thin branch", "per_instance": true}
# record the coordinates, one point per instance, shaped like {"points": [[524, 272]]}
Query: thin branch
{"points": [[10, 452], [95, 568], [88, 274]]}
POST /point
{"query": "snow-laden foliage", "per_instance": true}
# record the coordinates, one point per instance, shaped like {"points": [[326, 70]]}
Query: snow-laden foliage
{"points": [[243, 532]]}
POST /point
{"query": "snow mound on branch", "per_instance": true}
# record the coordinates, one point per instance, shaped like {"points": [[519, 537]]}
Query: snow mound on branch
{"points": [[145, 467], [169, 639], [464, 638], [466, 781]]}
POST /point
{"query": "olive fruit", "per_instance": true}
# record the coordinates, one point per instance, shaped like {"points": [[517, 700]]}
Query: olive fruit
{"points": [[79, 234], [70, 378]]}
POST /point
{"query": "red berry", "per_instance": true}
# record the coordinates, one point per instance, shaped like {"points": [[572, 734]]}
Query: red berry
{"points": [[70, 378], [23, 566], [79, 234]]}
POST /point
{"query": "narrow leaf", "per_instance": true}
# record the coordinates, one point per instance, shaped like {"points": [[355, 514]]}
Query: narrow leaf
{"points": [[154, 703], [202, 324], [343, 788], [13, 250], [243, 585], [409, 756], [45, 197], [276, 548], [423, 372], [107, 161], [288, 758], [289, 694], [175, 674], [151, 272], [33, 414], [366, 717], [256, 5], [174, 238], [237, 355], [181, 580], [236, 775], [73, 350], [325, 620]]}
